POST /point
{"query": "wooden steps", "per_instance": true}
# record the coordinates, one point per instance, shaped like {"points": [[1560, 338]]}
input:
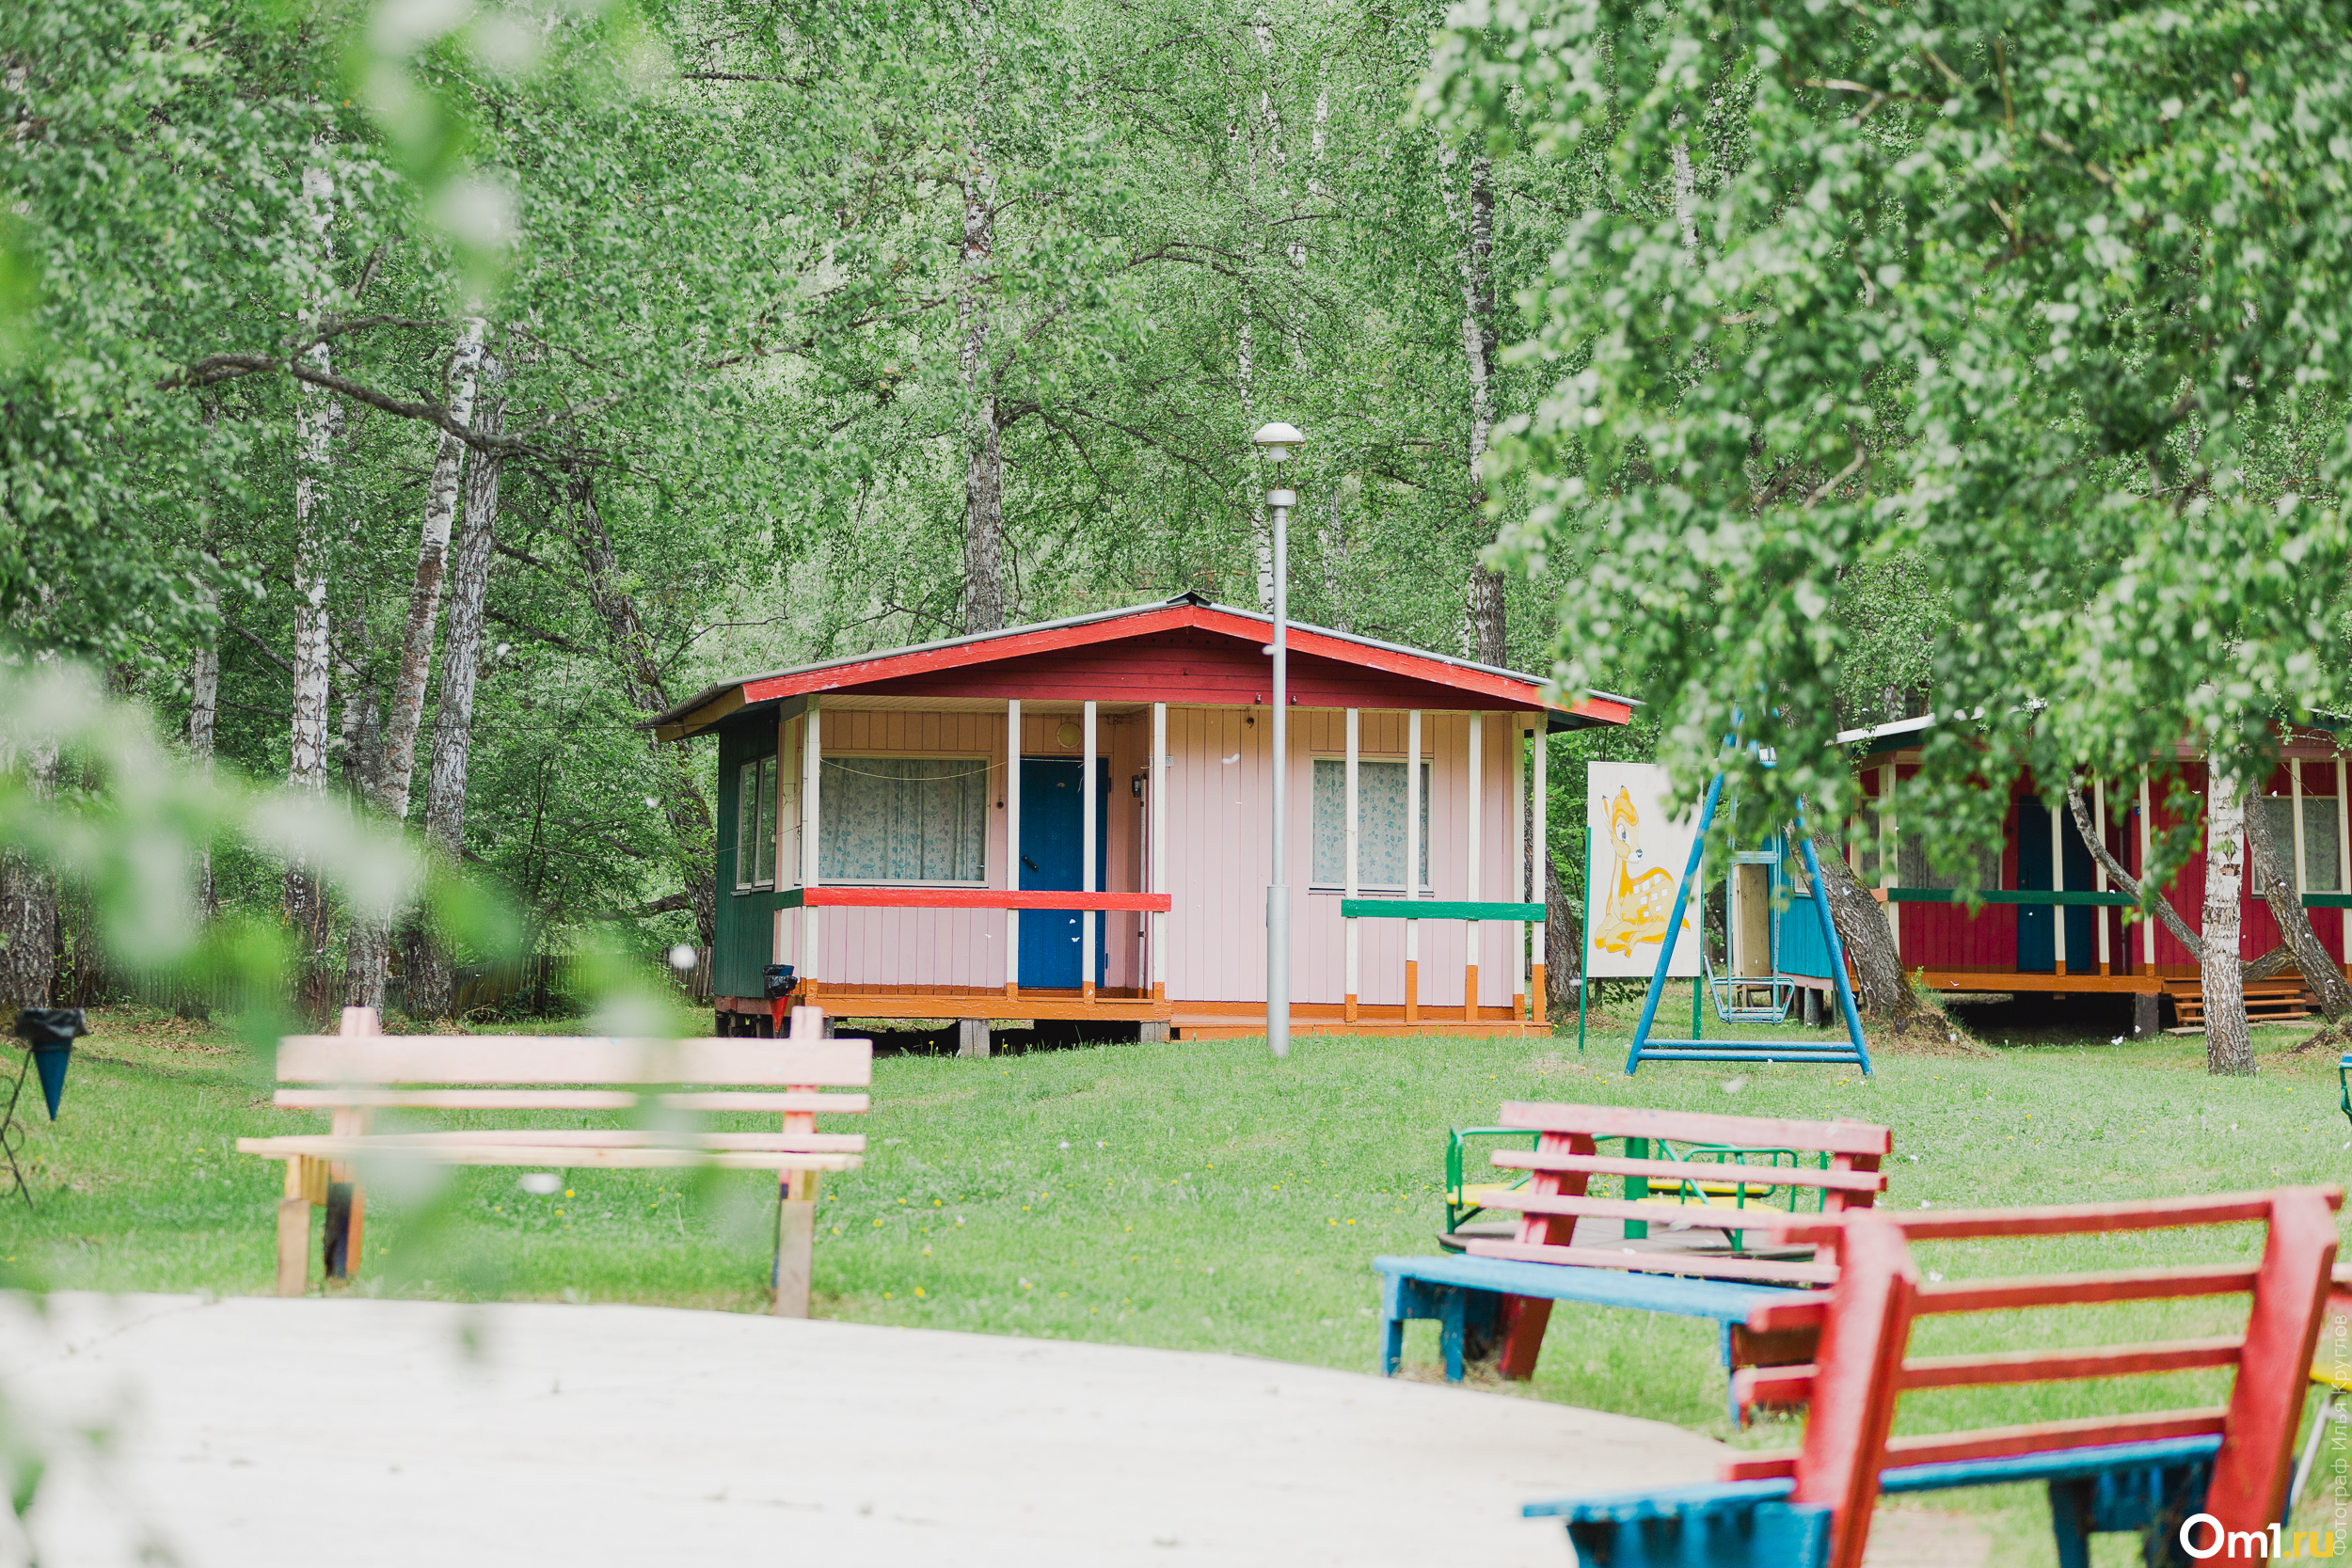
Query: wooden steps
{"points": [[2275, 1001]]}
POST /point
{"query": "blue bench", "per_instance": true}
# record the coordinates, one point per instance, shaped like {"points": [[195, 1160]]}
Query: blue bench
{"points": [[2175, 1478], [1469, 1298]]}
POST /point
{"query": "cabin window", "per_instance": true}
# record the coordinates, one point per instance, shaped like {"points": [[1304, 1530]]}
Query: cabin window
{"points": [[902, 820], [1380, 807], [755, 825], [2320, 867]]}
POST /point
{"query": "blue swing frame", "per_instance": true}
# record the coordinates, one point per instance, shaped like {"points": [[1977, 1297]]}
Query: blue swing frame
{"points": [[1850, 1051]]}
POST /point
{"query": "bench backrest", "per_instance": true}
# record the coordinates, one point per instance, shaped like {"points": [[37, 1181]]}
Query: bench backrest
{"points": [[1863, 1368], [1567, 1157], [360, 1070]]}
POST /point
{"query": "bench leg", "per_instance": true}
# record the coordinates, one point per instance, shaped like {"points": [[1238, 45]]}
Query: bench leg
{"points": [[2070, 1521], [293, 1231], [1524, 1319], [1395, 1299], [1451, 1305], [796, 1256]]}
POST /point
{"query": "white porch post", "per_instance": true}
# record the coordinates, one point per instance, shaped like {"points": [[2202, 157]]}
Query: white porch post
{"points": [[1477, 805], [1541, 893], [1012, 843], [1519, 867], [1355, 839], [2099, 804], [2147, 925], [2057, 884], [810, 722], [1088, 826], [1159, 848], [2294, 773], [1412, 863], [2343, 855]]}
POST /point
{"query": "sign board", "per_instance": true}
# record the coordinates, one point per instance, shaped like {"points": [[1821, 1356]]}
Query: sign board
{"points": [[1638, 856]]}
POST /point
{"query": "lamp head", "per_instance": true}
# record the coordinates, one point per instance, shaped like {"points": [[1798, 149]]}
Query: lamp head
{"points": [[1277, 440]]}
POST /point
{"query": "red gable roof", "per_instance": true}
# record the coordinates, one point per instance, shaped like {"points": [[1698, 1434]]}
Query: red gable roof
{"points": [[1184, 651]]}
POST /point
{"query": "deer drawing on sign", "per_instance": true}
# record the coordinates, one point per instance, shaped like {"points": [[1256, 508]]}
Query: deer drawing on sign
{"points": [[1638, 904]]}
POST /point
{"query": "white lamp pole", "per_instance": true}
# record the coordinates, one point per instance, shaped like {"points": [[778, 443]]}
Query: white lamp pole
{"points": [[1276, 440]]}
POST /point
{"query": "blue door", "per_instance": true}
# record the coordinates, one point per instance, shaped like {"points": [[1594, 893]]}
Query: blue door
{"points": [[1053, 826], [2036, 945]]}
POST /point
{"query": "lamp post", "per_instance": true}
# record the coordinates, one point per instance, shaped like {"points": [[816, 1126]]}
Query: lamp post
{"points": [[1276, 440]]}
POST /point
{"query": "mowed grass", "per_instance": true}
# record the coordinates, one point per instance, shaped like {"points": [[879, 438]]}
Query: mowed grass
{"points": [[1204, 1196]]}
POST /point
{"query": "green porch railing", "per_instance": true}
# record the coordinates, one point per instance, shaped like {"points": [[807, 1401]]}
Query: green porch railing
{"points": [[1425, 909], [2071, 896]]}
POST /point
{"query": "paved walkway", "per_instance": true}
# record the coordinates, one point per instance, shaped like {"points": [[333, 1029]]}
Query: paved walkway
{"points": [[257, 1433]]}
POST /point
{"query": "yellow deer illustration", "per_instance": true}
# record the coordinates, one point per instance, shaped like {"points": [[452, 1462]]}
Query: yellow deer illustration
{"points": [[1637, 907]]}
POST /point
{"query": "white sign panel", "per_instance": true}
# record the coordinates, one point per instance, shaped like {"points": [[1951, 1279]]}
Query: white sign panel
{"points": [[1639, 854]]}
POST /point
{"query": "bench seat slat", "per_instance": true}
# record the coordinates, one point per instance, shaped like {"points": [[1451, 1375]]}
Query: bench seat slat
{"points": [[1688, 1170], [1705, 1265], [347, 1144], [1632, 1121], [546, 1059], [2006, 1442], [574, 1155], [1703, 1217], [565, 1100]]}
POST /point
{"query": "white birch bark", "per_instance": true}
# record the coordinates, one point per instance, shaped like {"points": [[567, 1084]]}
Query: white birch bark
{"points": [[424, 597], [429, 973], [986, 604], [1483, 606], [2229, 1049], [316, 417]]}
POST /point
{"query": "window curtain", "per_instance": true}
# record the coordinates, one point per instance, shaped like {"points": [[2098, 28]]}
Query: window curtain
{"points": [[2320, 867], [902, 820], [1380, 805]]}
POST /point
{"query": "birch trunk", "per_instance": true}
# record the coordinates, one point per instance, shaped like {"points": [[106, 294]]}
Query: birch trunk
{"points": [[1482, 598], [430, 977], [987, 606], [642, 683], [424, 596], [1881, 988], [315, 418], [2321, 977], [203, 712], [2229, 1049]]}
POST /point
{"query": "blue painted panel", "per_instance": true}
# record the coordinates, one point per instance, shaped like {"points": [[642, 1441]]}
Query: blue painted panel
{"points": [[1053, 826], [1801, 952], [1722, 1300]]}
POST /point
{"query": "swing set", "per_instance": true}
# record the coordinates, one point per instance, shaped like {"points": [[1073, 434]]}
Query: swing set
{"points": [[1743, 998]]}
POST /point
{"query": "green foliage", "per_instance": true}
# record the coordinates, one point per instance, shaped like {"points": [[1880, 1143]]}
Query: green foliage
{"points": [[2038, 312]]}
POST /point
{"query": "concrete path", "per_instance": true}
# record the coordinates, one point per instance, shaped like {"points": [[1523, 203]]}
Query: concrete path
{"points": [[257, 1433]]}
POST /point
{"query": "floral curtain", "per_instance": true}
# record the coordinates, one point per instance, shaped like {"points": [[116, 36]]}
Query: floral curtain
{"points": [[1380, 805], [902, 820]]}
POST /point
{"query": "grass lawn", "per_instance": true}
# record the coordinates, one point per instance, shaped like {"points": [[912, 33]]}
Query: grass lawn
{"points": [[1204, 1197]]}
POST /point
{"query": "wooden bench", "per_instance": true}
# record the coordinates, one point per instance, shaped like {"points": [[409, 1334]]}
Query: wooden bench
{"points": [[1497, 1300], [359, 1072], [2148, 1473]]}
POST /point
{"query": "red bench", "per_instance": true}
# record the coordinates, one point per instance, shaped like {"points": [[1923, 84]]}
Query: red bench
{"points": [[2219, 1472]]}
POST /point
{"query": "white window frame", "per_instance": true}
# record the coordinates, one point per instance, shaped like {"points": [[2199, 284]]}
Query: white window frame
{"points": [[985, 766], [752, 780], [1367, 759]]}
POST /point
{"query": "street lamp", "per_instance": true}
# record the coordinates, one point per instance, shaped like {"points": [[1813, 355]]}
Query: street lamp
{"points": [[1276, 440]]}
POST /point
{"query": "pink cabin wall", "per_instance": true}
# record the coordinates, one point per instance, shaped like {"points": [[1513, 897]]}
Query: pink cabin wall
{"points": [[1217, 831]]}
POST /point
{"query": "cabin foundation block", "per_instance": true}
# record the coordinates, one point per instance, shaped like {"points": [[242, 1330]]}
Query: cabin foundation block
{"points": [[1153, 1029], [972, 1036], [2145, 1015]]}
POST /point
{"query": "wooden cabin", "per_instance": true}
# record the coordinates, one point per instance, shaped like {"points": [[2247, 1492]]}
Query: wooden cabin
{"points": [[2052, 922], [1069, 821]]}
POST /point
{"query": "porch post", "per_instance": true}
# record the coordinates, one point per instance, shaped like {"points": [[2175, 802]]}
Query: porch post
{"points": [[1519, 867], [810, 722], [2099, 804], [1412, 865], [1890, 847], [2295, 774], [1477, 805], [2148, 926], [1012, 843], [2343, 855], [2057, 884], [1355, 839], [1541, 892], [1159, 848], [1088, 826]]}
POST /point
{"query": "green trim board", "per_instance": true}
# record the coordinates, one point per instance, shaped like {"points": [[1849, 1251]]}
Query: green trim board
{"points": [[2073, 897], [1424, 908]]}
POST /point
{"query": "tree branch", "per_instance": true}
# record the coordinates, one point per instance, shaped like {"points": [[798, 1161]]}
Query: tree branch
{"points": [[2129, 883]]}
